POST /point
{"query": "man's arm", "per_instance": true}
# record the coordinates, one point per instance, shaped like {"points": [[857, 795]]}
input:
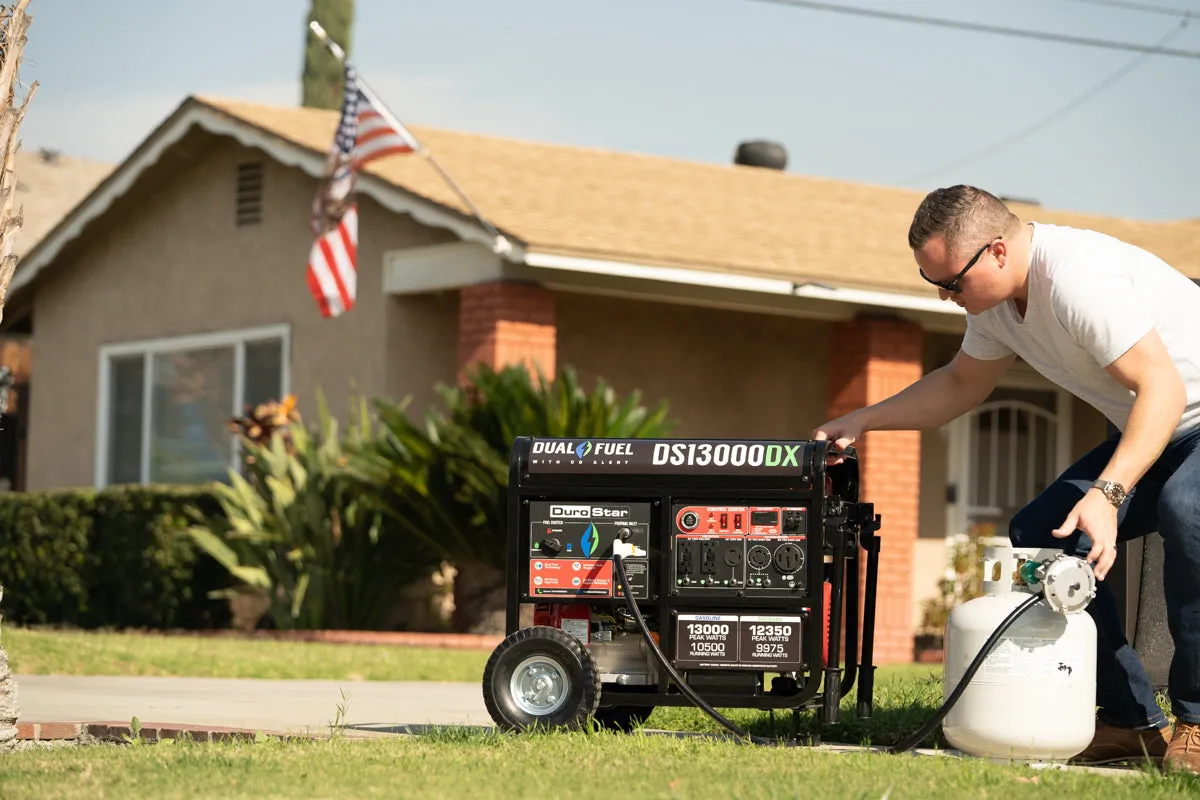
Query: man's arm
{"points": [[1160, 398], [937, 398]]}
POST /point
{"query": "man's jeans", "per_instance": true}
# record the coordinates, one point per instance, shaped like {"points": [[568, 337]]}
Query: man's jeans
{"points": [[1165, 502]]}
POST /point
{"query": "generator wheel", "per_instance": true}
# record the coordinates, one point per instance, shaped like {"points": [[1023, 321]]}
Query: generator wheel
{"points": [[540, 677], [622, 718]]}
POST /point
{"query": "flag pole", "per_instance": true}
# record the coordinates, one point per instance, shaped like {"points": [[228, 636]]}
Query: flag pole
{"points": [[500, 245]]}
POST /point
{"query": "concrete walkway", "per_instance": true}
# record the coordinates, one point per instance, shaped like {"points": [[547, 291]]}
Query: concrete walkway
{"points": [[298, 706]]}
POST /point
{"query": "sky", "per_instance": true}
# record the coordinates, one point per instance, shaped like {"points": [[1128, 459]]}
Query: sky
{"points": [[851, 98]]}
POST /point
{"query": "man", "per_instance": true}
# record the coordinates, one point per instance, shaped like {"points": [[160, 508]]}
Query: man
{"points": [[1120, 329]]}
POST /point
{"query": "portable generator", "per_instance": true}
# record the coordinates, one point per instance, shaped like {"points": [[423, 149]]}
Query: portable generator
{"points": [[713, 572]]}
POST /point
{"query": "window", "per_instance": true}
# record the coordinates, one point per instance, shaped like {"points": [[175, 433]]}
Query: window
{"points": [[165, 405]]}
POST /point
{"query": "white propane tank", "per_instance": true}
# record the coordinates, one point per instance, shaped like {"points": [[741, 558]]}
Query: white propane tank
{"points": [[1034, 697]]}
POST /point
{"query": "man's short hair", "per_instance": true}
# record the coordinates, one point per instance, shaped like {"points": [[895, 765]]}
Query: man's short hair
{"points": [[965, 216]]}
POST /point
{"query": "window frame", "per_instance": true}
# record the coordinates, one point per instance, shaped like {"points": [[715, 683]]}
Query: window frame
{"points": [[147, 349]]}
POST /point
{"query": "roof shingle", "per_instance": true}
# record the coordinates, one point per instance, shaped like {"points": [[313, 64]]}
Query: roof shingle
{"points": [[48, 186]]}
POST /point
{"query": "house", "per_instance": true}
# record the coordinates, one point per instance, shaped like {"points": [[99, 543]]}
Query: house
{"points": [[759, 303], [49, 184]]}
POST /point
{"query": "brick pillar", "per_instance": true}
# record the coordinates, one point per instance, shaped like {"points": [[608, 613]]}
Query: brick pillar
{"points": [[505, 323], [870, 360]]}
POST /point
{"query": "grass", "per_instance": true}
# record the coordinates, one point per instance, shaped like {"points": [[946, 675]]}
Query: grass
{"points": [[58, 652], [468, 764], [905, 696], [465, 763]]}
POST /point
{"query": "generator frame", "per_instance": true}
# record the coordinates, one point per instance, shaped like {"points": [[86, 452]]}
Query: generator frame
{"points": [[841, 535]]}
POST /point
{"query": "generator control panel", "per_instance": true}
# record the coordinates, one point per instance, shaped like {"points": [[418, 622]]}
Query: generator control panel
{"points": [[571, 546], [751, 549]]}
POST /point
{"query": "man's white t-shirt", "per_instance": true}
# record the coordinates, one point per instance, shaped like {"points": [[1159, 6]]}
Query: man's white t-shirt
{"points": [[1091, 298]]}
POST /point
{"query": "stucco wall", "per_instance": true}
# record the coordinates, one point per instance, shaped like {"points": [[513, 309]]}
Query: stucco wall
{"points": [[422, 347], [171, 261], [723, 373]]}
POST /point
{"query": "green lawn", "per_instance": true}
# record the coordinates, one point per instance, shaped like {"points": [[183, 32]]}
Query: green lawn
{"points": [[461, 764], [52, 652]]}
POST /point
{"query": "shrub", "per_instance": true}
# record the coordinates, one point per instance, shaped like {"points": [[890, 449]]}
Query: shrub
{"points": [[296, 527], [114, 558]]}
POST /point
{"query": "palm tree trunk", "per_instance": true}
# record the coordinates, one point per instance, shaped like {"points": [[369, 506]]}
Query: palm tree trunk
{"points": [[14, 23], [9, 711]]}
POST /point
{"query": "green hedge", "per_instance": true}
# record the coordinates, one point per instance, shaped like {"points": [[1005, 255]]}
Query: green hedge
{"points": [[115, 558]]}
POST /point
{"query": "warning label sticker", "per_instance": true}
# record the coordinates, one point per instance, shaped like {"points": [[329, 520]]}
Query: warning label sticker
{"points": [[561, 576], [1036, 658]]}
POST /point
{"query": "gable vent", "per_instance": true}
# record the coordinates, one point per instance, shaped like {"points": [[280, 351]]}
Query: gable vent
{"points": [[249, 193]]}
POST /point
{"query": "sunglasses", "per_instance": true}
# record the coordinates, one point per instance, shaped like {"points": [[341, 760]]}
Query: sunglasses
{"points": [[952, 286]]}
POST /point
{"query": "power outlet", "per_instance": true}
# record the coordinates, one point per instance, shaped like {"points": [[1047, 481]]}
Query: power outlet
{"points": [[788, 558], [708, 557], [685, 557]]}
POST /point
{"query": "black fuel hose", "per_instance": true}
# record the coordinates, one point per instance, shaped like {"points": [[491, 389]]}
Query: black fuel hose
{"points": [[619, 564], [900, 747]]}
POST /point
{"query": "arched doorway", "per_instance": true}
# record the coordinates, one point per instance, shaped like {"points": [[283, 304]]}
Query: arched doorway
{"points": [[1004, 453]]}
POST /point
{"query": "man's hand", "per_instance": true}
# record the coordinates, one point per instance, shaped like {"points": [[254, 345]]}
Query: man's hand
{"points": [[843, 431], [1096, 517]]}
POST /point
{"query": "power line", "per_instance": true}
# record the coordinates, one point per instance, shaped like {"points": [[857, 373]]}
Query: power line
{"points": [[1170, 12], [1049, 118], [982, 28]]}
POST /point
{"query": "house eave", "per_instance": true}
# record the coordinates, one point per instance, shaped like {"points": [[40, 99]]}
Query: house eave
{"points": [[452, 266]]}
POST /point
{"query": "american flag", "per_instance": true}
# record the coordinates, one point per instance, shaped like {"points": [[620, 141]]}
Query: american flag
{"points": [[363, 135]]}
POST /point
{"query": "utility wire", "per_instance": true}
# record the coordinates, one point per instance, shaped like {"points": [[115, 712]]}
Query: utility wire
{"points": [[1170, 12], [1049, 118], [982, 28]]}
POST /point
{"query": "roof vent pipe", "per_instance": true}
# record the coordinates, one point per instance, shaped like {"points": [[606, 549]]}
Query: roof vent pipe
{"points": [[761, 153]]}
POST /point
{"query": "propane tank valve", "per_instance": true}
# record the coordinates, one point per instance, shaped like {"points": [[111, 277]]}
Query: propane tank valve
{"points": [[1068, 582]]}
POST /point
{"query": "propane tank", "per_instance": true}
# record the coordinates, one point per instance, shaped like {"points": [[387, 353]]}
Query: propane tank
{"points": [[1034, 697]]}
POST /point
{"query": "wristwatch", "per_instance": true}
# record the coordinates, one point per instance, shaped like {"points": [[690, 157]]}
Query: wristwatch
{"points": [[1113, 491]]}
